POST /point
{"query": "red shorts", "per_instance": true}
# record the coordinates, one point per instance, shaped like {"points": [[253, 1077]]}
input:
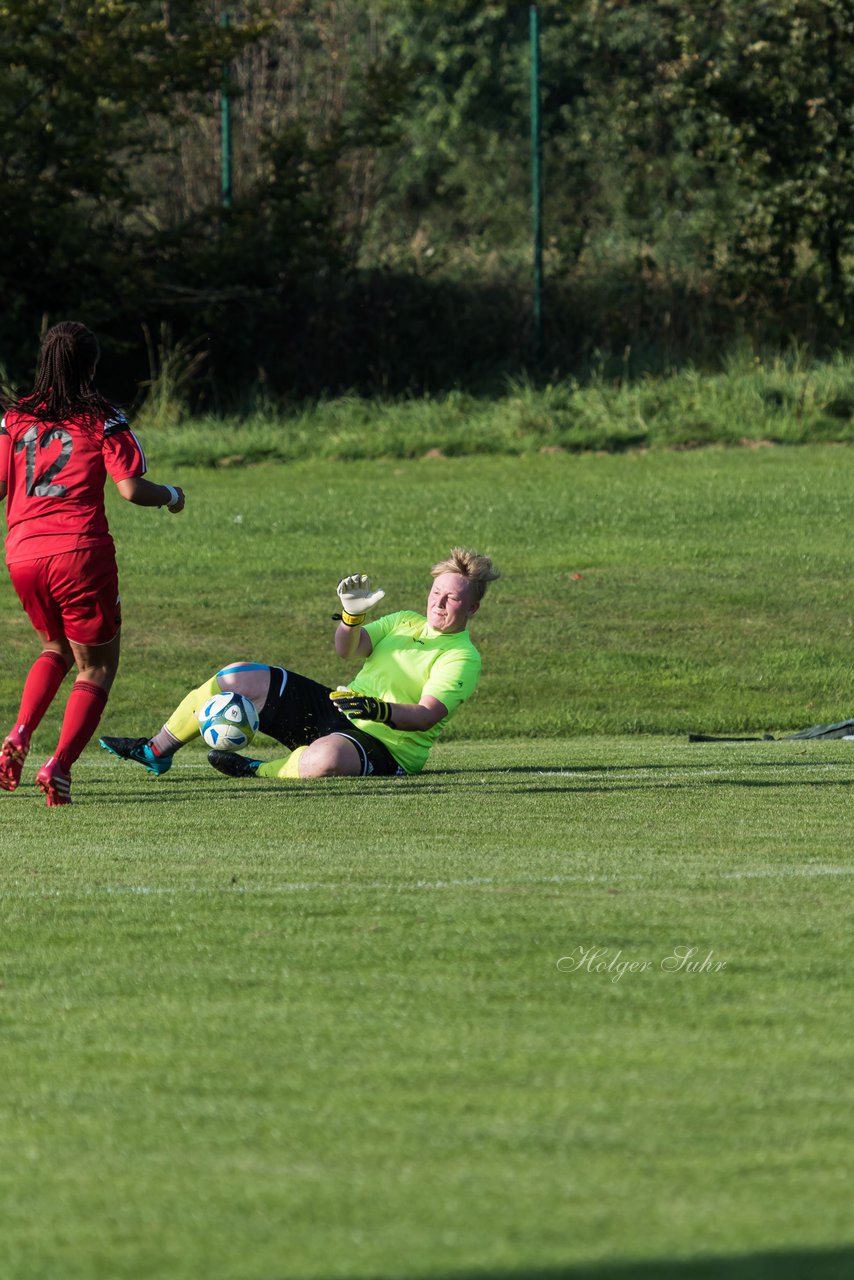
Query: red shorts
{"points": [[73, 594]]}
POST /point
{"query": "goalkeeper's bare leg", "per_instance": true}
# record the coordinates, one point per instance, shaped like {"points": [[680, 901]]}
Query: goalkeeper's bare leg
{"points": [[252, 679], [332, 756]]}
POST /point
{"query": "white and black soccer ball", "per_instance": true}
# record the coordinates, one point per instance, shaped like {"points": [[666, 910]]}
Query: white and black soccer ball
{"points": [[228, 721]]}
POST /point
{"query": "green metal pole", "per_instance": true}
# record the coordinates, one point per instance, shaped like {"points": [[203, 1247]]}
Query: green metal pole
{"points": [[536, 178], [225, 129]]}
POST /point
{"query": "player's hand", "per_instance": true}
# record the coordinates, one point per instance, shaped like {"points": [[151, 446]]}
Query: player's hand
{"points": [[358, 706], [175, 507], [357, 598]]}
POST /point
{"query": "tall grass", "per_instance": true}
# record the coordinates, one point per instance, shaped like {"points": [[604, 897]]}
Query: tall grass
{"points": [[174, 370], [785, 400]]}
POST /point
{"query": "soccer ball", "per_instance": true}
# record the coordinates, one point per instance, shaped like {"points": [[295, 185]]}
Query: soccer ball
{"points": [[228, 721]]}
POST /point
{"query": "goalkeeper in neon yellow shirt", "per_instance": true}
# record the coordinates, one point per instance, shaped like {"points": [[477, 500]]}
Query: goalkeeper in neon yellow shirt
{"points": [[416, 671]]}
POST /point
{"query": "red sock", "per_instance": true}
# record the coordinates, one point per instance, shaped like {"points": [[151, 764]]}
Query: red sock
{"points": [[40, 688], [84, 709]]}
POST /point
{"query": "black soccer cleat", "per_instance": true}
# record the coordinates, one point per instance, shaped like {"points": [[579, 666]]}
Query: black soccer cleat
{"points": [[236, 766], [138, 750]]}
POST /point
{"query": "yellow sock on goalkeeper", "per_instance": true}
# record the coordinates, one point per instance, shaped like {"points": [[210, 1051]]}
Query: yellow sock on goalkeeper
{"points": [[288, 767], [182, 724]]}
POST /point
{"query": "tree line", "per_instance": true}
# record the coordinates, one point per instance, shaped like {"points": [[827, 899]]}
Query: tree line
{"points": [[697, 190]]}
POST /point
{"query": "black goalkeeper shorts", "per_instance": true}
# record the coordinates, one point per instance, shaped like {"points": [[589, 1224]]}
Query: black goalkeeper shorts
{"points": [[298, 711]]}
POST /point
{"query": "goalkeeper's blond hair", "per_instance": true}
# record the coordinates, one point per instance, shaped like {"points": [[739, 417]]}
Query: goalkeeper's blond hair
{"points": [[478, 570]]}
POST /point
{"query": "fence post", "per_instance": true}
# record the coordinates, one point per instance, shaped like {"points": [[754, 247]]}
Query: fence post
{"points": [[536, 179], [225, 128]]}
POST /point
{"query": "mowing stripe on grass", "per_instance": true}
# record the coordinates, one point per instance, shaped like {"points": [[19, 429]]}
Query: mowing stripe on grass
{"points": [[387, 886]]}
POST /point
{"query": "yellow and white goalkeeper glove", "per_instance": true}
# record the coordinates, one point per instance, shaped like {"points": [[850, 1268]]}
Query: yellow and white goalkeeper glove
{"points": [[360, 706], [357, 598]]}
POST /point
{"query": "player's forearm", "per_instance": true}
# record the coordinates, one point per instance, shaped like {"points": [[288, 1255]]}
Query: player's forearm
{"points": [[411, 716], [346, 640], [145, 493], [406, 716]]}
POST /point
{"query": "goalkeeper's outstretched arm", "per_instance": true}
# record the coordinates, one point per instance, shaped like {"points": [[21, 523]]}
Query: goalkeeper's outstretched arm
{"points": [[352, 642], [356, 596]]}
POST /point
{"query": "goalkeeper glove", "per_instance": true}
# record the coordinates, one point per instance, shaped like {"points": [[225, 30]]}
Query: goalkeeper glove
{"points": [[358, 706], [357, 598]]}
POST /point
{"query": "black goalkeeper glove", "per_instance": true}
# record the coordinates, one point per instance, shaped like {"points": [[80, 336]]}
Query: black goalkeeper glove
{"points": [[358, 706]]}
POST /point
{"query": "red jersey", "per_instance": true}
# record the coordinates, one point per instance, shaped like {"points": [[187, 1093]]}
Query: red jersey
{"points": [[56, 472]]}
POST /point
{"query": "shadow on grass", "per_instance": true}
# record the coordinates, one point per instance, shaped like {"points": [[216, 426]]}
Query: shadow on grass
{"points": [[617, 788], [300, 794], [824, 1264], [522, 780], [548, 771]]}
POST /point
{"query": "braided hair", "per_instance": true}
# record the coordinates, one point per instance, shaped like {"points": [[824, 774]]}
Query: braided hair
{"points": [[64, 382]]}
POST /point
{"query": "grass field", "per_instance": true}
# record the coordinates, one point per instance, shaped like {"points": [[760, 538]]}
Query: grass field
{"points": [[363, 1029]]}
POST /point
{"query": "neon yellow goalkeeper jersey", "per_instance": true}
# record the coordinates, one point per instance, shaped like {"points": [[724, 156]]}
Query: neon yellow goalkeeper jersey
{"points": [[408, 660]]}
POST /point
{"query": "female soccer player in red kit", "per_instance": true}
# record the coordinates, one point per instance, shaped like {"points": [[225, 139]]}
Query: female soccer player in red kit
{"points": [[57, 447]]}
